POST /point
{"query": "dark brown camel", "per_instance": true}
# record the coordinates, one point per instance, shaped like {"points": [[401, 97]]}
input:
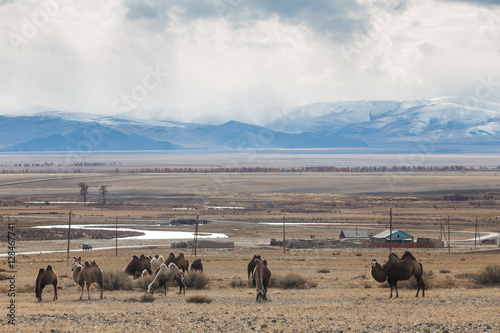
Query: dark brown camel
{"points": [[45, 277], [251, 265], [197, 265], [179, 261], [261, 278], [138, 265], [396, 269]]}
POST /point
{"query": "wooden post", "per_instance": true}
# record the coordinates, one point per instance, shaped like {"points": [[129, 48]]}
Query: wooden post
{"points": [[195, 243], [69, 237], [475, 234], [390, 230], [116, 237], [284, 246], [449, 239]]}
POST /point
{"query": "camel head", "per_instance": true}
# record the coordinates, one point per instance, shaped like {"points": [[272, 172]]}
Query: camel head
{"points": [[75, 264], [377, 272]]}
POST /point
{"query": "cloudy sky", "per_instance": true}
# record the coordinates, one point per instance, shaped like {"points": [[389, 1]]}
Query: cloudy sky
{"points": [[247, 60]]}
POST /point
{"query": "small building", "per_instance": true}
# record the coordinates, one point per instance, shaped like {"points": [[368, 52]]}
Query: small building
{"points": [[352, 234], [398, 236]]}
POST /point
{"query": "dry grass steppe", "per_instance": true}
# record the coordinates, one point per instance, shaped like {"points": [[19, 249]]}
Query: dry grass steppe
{"points": [[340, 294]]}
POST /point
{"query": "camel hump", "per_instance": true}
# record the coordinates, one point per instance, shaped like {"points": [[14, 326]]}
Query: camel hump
{"points": [[87, 264], [393, 255], [408, 255], [41, 271], [135, 257], [49, 268], [181, 255], [264, 262], [94, 264]]}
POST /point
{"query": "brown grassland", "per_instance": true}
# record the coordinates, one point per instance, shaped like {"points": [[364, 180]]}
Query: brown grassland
{"points": [[338, 293]]}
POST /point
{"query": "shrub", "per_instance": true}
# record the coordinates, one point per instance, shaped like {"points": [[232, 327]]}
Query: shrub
{"points": [[144, 281], [490, 275], [323, 270], [147, 298], [117, 280], [444, 271], [238, 282], [198, 299], [291, 281], [196, 280], [412, 282]]}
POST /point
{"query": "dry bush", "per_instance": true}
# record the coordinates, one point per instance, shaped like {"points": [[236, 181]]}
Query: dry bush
{"points": [[411, 283], [465, 276], [323, 270], [28, 288], [291, 281], [198, 299], [489, 276], [196, 280], [144, 281], [147, 298], [238, 282], [117, 280], [443, 283]]}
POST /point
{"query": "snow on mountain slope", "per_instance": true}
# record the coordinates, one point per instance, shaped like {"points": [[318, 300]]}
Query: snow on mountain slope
{"points": [[444, 121], [451, 118]]}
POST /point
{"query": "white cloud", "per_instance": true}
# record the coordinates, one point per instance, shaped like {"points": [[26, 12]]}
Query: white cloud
{"points": [[249, 62]]}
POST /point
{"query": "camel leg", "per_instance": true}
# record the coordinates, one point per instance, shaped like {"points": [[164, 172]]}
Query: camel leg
{"points": [[81, 295], [55, 292], [421, 285], [396, 286], [102, 290], [88, 289]]}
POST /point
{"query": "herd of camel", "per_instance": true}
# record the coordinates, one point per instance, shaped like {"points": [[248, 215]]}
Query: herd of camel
{"points": [[165, 271]]}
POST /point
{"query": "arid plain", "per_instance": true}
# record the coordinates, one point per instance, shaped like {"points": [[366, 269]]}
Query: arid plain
{"points": [[339, 293]]}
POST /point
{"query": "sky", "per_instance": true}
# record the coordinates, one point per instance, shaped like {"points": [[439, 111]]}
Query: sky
{"points": [[246, 60]]}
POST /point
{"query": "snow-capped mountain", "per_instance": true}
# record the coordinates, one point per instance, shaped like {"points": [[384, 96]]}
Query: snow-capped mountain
{"points": [[440, 120], [448, 123]]}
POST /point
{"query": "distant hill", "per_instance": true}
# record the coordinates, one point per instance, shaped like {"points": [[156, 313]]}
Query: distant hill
{"points": [[429, 125], [442, 122]]}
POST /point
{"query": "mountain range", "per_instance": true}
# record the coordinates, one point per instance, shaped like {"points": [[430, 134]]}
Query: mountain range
{"points": [[445, 124]]}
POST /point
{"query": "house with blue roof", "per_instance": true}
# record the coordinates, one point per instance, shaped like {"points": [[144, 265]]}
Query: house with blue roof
{"points": [[398, 236]]}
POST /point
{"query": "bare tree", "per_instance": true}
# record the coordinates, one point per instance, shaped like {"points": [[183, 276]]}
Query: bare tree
{"points": [[84, 190], [103, 190]]}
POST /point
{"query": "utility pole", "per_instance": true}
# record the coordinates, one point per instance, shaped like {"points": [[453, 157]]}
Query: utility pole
{"points": [[116, 237], [69, 237], [390, 230], [195, 242], [475, 234], [449, 239], [284, 246]]}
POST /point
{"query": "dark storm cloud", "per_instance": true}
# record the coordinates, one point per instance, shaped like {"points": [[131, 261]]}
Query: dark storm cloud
{"points": [[477, 2], [335, 19]]}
